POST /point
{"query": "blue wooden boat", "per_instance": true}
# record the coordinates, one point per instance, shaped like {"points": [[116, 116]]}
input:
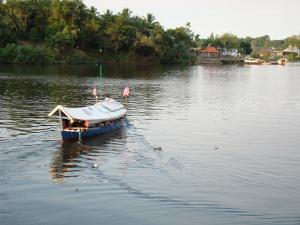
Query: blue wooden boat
{"points": [[77, 123]]}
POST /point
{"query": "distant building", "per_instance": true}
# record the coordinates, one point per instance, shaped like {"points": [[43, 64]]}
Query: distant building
{"points": [[217, 56], [271, 53], [291, 50], [276, 54], [209, 52]]}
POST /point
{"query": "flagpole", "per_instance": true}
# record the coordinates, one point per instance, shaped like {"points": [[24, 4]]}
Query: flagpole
{"points": [[95, 94], [100, 71]]}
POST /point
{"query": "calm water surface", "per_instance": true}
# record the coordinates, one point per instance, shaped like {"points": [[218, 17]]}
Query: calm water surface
{"points": [[230, 139]]}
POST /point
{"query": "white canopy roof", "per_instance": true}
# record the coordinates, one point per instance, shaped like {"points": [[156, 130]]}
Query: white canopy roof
{"points": [[108, 109], [292, 49]]}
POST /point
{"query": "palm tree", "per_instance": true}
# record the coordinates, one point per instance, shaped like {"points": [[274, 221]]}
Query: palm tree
{"points": [[150, 20]]}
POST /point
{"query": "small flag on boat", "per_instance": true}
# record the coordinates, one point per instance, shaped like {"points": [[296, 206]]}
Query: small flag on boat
{"points": [[126, 92], [94, 91]]}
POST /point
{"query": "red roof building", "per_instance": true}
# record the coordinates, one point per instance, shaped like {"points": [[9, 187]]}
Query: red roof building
{"points": [[209, 52]]}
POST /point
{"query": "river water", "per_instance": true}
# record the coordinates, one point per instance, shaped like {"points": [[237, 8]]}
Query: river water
{"points": [[229, 139]]}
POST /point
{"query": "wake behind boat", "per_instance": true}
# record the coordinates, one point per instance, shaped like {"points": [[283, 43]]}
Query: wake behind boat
{"points": [[103, 117]]}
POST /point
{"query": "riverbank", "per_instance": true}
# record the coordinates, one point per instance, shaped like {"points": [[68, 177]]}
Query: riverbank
{"points": [[27, 53], [219, 61]]}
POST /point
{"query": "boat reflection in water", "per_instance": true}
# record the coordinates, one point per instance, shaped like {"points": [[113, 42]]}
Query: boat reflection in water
{"points": [[73, 158]]}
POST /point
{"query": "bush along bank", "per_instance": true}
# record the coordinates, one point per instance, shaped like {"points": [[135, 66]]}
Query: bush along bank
{"points": [[19, 54], [35, 54]]}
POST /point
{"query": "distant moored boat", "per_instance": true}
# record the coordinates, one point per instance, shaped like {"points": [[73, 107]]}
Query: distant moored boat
{"points": [[282, 61], [253, 61]]}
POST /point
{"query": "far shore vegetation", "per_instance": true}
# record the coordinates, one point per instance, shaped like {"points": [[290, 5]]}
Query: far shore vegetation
{"points": [[67, 31]]}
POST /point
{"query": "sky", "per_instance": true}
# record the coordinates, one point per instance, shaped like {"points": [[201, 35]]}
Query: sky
{"points": [[277, 18]]}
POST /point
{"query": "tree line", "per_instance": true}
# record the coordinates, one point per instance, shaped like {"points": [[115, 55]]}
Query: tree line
{"points": [[58, 27], [51, 31]]}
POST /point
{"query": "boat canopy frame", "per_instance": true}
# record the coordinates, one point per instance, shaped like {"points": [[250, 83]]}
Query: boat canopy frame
{"points": [[107, 110]]}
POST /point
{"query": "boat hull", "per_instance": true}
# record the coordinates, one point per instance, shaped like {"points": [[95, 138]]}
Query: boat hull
{"points": [[90, 132], [281, 61], [254, 62]]}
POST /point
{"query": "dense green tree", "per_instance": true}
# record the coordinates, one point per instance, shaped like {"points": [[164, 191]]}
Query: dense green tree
{"points": [[7, 26], [120, 34], [261, 42], [245, 47], [176, 45], [293, 41], [227, 41], [144, 45]]}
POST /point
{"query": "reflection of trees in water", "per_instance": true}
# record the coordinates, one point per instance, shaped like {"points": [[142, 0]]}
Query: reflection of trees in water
{"points": [[173, 87], [26, 102], [73, 156], [29, 93], [82, 71]]}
